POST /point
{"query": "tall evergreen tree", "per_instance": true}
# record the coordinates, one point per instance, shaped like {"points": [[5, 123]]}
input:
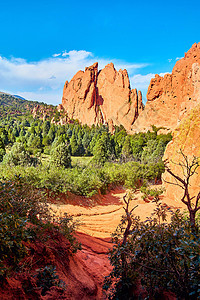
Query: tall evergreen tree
{"points": [[60, 156], [74, 145]]}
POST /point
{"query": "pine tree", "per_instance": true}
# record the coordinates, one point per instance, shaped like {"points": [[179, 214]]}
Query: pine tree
{"points": [[102, 149], [60, 156], [74, 145], [126, 149]]}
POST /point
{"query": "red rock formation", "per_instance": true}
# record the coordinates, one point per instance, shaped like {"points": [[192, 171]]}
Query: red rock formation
{"points": [[43, 111], [171, 97], [104, 97], [60, 108], [35, 111], [187, 138]]}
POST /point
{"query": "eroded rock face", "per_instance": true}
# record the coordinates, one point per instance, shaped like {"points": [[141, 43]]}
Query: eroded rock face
{"points": [[171, 97], [186, 138], [102, 97], [82, 273]]}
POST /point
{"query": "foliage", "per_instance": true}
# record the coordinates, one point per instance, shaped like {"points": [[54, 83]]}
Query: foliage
{"points": [[60, 156], [85, 180], [158, 256], [147, 191], [16, 108], [18, 205], [67, 227], [39, 136], [102, 149], [118, 158], [24, 215], [46, 278], [2, 149], [17, 156]]}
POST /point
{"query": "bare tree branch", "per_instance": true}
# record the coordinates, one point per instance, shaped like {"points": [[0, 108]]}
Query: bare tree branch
{"points": [[188, 169]]}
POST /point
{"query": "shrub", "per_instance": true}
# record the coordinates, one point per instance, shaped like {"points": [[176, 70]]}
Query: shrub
{"points": [[46, 278], [60, 156], [17, 155], [67, 227], [19, 204], [156, 255], [2, 153], [25, 215]]}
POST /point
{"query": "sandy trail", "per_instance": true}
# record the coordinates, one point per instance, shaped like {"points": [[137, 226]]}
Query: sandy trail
{"points": [[102, 220]]}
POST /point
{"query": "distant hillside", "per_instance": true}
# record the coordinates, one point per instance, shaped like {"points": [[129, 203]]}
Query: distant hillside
{"points": [[17, 107]]}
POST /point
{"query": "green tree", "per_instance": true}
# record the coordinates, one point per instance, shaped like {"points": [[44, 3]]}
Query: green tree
{"points": [[17, 155], [138, 141], [74, 145], [22, 132], [32, 129], [60, 156], [126, 149], [94, 140], [15, 131], [46, 127], [46, 141], [25, 123], [51, 134], [2, 149], [30, 140], [153, 151], [4, 136], [102, 150]]}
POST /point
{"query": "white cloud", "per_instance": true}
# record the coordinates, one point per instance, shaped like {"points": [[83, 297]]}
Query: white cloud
{"points": [[44, 80], [141, 82], [75, 55], [49, 98], [56, 54], [169, 60], [52, 77], [177, 58]]}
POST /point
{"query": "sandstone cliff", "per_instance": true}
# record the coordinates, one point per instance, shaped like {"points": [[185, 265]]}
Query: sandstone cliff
{"points": [[102, 97], [105, 96], [171, 97], [187, 138]]}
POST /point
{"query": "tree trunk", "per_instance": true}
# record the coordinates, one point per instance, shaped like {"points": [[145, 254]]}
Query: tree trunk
{"points": [[192, 220]]}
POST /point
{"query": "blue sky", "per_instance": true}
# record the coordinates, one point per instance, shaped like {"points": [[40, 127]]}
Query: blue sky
{"points": [[145, 37]]}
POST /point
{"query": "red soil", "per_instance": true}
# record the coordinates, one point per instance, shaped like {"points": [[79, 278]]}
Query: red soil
{"points": [[83, 273], [109, 198]]}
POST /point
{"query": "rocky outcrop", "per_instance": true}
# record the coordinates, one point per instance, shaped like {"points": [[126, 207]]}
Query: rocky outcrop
{"points": [[187, 139], [171, 97], [102, 97], [82, 274], [43, 111], [105, 96]]}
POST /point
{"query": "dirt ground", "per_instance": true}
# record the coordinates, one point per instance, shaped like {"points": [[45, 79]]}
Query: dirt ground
{"points": [[101, 219]]}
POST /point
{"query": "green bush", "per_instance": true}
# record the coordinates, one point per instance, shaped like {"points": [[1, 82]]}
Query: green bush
{"points": [[67, 227], [60, 156], [87, 179], [16, 207], [158, 256], [17, 156], [24, 216], [46, 278]]}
